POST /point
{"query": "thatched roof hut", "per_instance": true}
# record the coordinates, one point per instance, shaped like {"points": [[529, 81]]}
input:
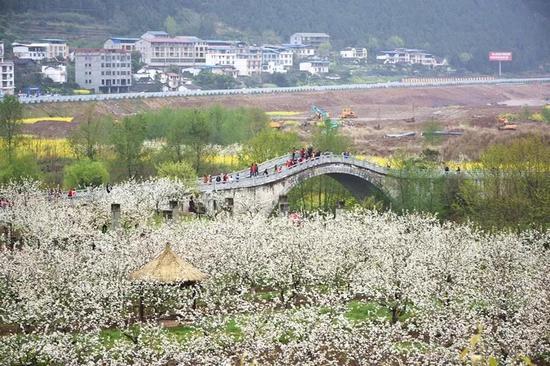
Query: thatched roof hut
{"points": [[168, 268]]}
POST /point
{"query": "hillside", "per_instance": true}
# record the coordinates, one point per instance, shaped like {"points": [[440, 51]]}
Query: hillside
{"points": [[463, 31]]}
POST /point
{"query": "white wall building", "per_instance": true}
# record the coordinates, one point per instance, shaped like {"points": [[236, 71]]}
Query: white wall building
{"points": [[58, 74], [315, 67], [276, 59], [352, 53], [57, 48], [7, 77], [104, 71], [409, 56], [249, 62], [221, 55], [121, 43], [301, 50], [158, 49], [46, 49], [312, 39]]}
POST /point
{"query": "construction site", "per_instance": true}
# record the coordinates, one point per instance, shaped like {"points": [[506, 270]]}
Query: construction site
{"points": [[380, 122]]}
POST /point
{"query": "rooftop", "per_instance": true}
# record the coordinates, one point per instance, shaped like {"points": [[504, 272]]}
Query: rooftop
{"points": [[168, 267], [306, 34], [124, 40], [99, 50], [53, 40]]}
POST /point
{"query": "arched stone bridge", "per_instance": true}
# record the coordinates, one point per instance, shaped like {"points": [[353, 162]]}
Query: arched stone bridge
{"points": [[264, 194]]}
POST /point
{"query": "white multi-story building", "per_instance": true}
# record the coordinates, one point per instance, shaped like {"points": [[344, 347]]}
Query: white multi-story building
{"points": [[158, 49], [121, 43], [312, 39], [249, 62], [7, 78], [7, 74], [104, 71], [46, 49], [301, 50], [57, 48], [276, 59], [409, 56], [58, 74], [315, 67], [221, 55], [352, 53]]}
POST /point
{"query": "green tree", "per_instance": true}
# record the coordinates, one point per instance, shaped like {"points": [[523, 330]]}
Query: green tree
{"points": [[513, 189], [324, 49], [127, 138], [546, 113], [373, 43], [419, 186], [429, 131], [137, 64], [87, 139], [395, 42], [198, 132], [11, 113], [269, 144], [85, 173], [210, 81], [181, 171], [21, 166], [328, 138], [170, 25]]}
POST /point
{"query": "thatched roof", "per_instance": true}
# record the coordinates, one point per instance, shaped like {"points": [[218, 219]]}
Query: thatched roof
{"points": [[167, 267]]}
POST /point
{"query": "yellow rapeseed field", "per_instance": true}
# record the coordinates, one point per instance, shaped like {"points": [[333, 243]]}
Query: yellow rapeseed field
{"points": [[47, 148], [282, 113], [34, 120]]}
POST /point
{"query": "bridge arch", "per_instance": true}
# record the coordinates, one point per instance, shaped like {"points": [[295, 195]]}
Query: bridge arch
{"points": [[359, 182]]}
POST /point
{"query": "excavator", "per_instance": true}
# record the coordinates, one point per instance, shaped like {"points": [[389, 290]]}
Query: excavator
{"points": [[347, 113], [319, 113], [323, 118]]}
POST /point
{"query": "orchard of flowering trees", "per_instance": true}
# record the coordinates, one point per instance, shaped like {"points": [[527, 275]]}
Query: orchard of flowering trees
{"points": [[363, 288]]}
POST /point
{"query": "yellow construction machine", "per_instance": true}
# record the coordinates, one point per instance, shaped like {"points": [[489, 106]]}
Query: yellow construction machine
{"points": [[347, 113]]}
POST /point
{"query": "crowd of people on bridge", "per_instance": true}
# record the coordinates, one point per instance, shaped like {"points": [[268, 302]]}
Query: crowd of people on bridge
{"points": [[296, 157]]}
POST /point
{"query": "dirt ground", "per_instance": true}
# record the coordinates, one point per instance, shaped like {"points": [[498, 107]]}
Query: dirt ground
{"points": [[470, 109]]}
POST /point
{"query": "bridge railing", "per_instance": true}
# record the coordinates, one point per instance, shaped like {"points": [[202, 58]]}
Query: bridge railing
{"points": [[261, 179]]}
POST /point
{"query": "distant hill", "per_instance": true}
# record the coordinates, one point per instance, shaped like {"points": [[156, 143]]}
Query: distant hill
{"points": [[463, 31]]}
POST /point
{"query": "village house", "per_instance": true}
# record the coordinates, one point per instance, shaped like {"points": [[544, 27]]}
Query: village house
{"points": [[104, 71], [354, 54], [301, 51], [311, 39], [159, 49], [45, 49], [121, 43], [7, 74], [249, 63], [315, 67], [276, 59], [410, 56], [221, 55], [58, 74]]}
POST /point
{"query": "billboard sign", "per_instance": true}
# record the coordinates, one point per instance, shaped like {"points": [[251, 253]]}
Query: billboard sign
{"points": [[500, 56]]}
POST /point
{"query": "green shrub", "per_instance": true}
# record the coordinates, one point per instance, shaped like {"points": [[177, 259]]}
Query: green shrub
{"points": [[22, 166], [177, 170], [85, 173]]}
